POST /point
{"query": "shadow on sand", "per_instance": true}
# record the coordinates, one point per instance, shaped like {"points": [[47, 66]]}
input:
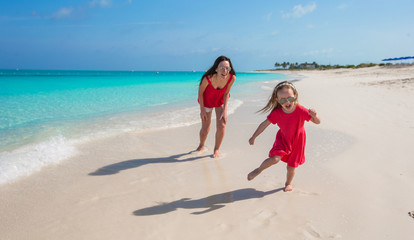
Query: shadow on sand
{"points": [[209, 203], [129, 164]]}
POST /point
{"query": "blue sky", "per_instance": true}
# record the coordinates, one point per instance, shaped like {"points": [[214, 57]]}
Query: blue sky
{"points": [[188, 35]]}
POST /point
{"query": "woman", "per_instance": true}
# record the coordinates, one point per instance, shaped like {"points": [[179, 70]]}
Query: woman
{"points": [[214, 93]]}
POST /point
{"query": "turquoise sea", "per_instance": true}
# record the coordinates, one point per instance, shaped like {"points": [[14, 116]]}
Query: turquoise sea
{"points": [[45, 114]]}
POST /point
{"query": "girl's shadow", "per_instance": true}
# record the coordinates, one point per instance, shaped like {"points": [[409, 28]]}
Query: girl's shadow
{"points": [[134, 163], [209, 203]]}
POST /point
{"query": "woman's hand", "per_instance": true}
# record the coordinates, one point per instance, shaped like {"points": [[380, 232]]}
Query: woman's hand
{"points": [[251, 140], [203, 115], [224, 116]]}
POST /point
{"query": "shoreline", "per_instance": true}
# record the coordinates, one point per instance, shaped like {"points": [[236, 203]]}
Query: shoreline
{"points": [[28, 149], [353, 184]]}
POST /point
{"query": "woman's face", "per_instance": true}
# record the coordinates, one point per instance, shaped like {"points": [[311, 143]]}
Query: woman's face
{"points": [[223, 69]]}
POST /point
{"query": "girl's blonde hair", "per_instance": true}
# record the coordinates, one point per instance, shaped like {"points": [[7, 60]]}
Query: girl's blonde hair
{"points": [[273, 103]]}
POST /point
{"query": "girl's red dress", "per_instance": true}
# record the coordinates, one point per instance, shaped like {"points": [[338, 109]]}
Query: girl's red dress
{"points": [[291, 138]]}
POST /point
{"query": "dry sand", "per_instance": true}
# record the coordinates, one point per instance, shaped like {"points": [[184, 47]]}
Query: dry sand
{"points": [[357, 182]]}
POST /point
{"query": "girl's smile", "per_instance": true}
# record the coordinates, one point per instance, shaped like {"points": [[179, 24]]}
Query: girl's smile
{"points": [[289, 107]]}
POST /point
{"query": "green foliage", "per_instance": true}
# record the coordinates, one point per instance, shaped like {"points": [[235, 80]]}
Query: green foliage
{"points": [[314, 65]]}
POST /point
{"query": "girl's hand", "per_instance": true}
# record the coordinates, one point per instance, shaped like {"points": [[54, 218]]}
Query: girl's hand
{"points": [[315, 119], [251, 141], [312, 112]]}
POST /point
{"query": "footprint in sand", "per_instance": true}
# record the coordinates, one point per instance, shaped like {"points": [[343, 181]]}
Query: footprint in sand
{"points": [[411, 214], [306, 193], [262, 218], [310, 232]]}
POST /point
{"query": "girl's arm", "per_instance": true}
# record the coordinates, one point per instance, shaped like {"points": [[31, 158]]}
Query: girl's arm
{"points": [[315, 118], [201, 89], [259, 130], [226, 99]]}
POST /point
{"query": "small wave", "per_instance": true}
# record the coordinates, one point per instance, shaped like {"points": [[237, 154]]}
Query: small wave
{"points": [[31, 158], [266, 88], [174, 118]]}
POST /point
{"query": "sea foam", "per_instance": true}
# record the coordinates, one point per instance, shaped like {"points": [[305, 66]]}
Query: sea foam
{"points": [[25, 160]]}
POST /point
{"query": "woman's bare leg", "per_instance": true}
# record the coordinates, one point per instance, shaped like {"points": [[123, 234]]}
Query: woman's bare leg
{"points": [[205, 128], [221, 127]]}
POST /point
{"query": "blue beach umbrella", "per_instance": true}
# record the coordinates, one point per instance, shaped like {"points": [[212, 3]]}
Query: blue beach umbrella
{"points": [[397, 59]]}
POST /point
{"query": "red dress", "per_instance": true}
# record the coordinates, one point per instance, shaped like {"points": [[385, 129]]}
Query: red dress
{"points": [[291, 138], [214, 97]]}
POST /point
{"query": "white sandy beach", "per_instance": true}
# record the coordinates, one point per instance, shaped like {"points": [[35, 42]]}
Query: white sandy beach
{"points": [[357, 181]]}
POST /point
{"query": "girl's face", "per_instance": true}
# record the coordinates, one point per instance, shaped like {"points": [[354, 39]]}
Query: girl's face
{"points": [[287, 99], [223, 69]]}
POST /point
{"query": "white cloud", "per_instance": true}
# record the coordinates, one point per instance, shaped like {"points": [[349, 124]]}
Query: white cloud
{"points": [[299, 11], [100, 3], [145, 23], [343, 6], [67, 12], [268, 17], [63, 13], [199, 51], [319, 52]]}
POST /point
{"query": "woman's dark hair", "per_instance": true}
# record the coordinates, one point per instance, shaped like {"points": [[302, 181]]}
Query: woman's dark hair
{"points": [[213, 68]]}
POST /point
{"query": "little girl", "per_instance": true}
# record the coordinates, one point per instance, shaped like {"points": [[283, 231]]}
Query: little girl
{"points": [[290, 140]]}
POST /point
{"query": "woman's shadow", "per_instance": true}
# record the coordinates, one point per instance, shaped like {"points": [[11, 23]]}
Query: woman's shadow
{"points": [[209, 203], [134, 163]]}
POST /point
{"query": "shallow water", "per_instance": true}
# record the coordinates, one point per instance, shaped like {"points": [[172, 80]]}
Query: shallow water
{"points": [[45, 114]]}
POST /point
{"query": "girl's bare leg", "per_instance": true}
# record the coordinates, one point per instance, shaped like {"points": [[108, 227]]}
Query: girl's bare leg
{"points": [[205, 128], [289, 177], [265, 164], [221, 127]]}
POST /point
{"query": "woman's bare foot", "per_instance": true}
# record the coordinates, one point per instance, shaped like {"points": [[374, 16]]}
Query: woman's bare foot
{"points": [[216, 154], [200, 148], [288, 188], [253, 174]]}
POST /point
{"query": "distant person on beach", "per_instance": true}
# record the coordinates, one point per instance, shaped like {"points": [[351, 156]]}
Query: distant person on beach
{"points": [[214, 93], [289, 145]]}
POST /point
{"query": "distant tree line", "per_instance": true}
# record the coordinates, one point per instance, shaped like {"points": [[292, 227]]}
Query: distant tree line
{"points": [[314, 65]]}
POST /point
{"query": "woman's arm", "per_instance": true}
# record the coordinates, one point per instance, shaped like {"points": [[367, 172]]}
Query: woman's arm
{"points": [[226, 99], [201, 90]]}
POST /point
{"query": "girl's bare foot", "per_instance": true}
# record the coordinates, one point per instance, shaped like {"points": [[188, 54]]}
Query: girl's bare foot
{"points": [[253, 174], [216, 154], [288, 188]]}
